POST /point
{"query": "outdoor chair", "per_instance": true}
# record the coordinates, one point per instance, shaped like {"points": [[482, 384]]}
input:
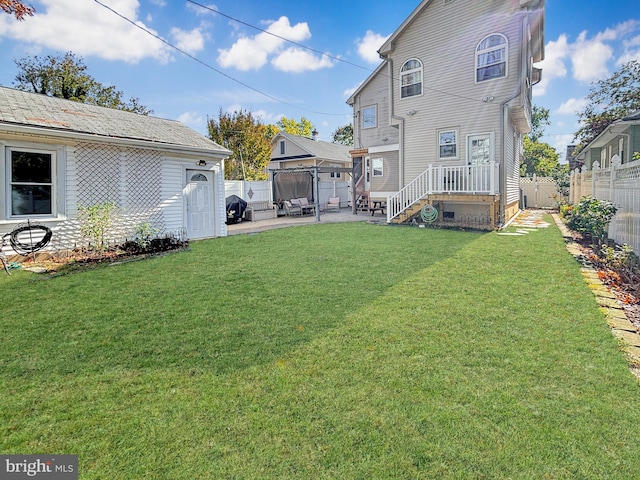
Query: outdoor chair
{"points": [[333, 204], [292, 209], [306, 206]]}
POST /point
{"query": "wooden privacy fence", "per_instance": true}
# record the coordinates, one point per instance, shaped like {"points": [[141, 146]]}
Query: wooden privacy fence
{"points": [[539, 192], [620, 184]]}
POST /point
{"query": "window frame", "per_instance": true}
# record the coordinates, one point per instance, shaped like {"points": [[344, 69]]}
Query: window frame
{"points": [[377, 165], [370, 121], [479, 52], [9, 183], [409, 72], [456, 143]]}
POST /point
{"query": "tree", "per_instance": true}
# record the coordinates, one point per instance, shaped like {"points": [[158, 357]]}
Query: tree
{"points": [[539, 120], [539, 158], [16, 8], [609, 100], [302, 128], [344, 135], [245, 136], [66, 77]]}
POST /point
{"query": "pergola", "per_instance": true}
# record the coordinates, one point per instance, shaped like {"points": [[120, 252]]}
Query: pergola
{"points": [[314, 172]]}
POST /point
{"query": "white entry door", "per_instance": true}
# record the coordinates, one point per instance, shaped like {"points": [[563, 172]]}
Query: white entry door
{"points": [[200, 211]]}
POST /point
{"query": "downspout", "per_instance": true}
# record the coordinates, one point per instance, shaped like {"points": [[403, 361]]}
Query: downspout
{"points": [[503, 112]]}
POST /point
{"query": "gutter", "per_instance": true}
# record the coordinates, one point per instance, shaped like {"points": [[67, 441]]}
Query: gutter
{"points": [[121, 141]]}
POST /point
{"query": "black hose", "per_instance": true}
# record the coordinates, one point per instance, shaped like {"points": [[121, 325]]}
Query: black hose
{"points": [[25, 249]]}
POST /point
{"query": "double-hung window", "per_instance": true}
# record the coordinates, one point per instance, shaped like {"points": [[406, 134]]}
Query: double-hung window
{"points": [[369, 117], [31, 177], [447, 144], [491, 57], [411, 78]]}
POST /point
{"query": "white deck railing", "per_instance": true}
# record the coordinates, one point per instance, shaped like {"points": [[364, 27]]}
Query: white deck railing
{"points": [[468, 179]]}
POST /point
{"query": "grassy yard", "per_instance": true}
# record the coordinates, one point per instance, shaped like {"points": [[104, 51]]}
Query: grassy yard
{"points": [[325, 351]]}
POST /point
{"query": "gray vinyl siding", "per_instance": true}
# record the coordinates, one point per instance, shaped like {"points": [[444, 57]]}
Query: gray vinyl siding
{"points": [[512, 165], [290, 150], [389, 181], [451, 98], [375, 94]]}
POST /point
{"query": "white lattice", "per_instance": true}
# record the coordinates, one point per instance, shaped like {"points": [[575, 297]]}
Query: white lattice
{"points": [[98, 173]]}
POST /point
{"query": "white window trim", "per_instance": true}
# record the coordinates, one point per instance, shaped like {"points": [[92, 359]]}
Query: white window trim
{"points": [[477, 53], [402, 74], [55, 178], [365, 124], [457, 142]]}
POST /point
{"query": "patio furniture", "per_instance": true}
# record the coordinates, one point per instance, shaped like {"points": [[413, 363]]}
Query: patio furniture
{"points": [[333, 204], [291, 209], [306, 206]]}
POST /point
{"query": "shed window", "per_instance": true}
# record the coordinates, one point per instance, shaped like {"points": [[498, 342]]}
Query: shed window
{"points": [[199, 177], [411, 78], [31, 182], [491, 58]]}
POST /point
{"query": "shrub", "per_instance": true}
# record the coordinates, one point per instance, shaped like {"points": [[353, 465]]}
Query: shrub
{"points": [[95, 221], [591, 217]]}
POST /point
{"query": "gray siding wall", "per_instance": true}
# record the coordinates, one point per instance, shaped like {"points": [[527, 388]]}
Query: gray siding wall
{"points": [[451, 98], [375, 94]]}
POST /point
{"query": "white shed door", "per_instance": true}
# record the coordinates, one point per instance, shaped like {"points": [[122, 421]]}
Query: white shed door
{"points": [[200, 211]]}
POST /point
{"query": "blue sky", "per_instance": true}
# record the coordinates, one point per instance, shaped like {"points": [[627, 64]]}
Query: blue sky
{"points": [[233, 66]]}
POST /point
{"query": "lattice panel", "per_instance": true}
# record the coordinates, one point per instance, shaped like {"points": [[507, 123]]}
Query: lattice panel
{"points": [[98, 174], [142, 192]]}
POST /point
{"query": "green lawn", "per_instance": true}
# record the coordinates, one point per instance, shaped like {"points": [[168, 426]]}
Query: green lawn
{"points": [[326, 351]]}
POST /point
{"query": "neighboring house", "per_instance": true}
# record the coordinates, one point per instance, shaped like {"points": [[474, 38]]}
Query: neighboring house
{"points": [[441, 120], [293, 151], [621, 138], [58, 154]]}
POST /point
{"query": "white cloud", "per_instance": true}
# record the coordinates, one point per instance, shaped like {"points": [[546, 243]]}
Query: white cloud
{"points": [[252, 53], [191, 42], [297, 60], [590, 57], [190, 118], [553, 65], [571, 106], [89, 29], [198, 10], [369, 45]]}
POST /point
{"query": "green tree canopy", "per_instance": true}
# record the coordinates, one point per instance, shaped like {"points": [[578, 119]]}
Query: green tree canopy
{"points": [[344, 135], [539, 158], [302, 128], [609, 100], [67, 77], [246, 136]]}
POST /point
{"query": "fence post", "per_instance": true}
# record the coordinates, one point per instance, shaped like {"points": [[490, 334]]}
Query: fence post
{"points": [[594, 169]]}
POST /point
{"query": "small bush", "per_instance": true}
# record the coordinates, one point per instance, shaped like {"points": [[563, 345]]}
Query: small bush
{"points": [[591, 217]]}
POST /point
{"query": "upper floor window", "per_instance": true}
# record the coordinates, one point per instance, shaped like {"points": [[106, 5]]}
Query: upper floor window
{"points": [[282, 149], [31, 182], [369, 117], [411, 78], [491, 58]]}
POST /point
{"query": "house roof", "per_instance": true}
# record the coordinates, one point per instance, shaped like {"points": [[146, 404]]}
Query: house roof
{"points": [[334, 152], [24, 111], [616, 128]]}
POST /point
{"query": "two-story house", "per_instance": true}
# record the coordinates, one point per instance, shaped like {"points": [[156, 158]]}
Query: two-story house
{"points": [[440, 121]]}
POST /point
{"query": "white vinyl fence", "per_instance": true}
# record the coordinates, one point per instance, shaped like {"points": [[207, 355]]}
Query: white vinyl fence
{"points": [[539, 192], [619, 184], [262, 191]]}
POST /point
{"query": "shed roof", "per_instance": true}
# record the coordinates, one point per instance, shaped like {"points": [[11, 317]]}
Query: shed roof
{"points": [[323, 150], [65, 118]]}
